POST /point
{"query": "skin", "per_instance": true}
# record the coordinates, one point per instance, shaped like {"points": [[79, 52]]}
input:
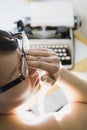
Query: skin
{"points": [[71, 117]]}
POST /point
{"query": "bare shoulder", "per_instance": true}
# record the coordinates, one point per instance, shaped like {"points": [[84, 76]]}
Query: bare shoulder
{"points": [[14, 122], [73, 117]]}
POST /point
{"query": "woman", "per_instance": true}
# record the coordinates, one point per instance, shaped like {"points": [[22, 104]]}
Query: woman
{"points": [[19, 81]]}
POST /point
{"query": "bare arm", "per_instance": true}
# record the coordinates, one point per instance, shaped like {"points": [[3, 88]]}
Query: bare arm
{"points": [[74, 87]]}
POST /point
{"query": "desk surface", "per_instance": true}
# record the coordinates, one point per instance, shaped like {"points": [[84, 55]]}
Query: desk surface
{"points": [[80, 57]]}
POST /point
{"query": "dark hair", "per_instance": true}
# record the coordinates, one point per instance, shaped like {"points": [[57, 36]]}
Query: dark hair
{"points": [[8, 41]]}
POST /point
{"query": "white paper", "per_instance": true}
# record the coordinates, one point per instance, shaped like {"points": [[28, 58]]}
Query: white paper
{"points": [[58, 13]]}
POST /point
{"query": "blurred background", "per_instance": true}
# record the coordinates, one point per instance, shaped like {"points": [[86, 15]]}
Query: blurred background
{"points": [[11, 11]]}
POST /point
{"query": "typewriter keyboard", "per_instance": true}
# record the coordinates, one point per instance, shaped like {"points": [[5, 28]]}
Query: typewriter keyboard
{"points": [[62, 51]]}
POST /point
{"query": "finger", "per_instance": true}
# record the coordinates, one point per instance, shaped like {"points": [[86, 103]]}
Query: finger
{"points": [[44, 53], [32, 72], [35, 79], [40, 49], [51, 68], [48, 79], [31, 58], [50, 59]]}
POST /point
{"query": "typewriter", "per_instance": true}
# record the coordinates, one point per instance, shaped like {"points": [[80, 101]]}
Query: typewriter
{"points": [[49, 31]]}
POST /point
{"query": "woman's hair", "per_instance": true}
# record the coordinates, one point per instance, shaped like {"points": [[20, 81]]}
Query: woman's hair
{"points": [[8, 41]]}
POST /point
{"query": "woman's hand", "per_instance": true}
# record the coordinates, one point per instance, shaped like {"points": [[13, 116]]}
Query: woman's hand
{"points": [[44, 59]]}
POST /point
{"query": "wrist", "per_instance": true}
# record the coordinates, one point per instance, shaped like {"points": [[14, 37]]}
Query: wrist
{"points": [[58, 74]]}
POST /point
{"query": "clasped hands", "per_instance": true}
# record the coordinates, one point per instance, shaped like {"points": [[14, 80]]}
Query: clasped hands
{"points": [[44, 59]]}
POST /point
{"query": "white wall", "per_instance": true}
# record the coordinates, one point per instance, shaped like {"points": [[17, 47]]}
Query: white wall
{"points": [[12, 10], [81, 10]]}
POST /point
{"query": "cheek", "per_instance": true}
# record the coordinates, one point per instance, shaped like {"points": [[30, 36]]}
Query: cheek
{"points": [[23, 87], [19, 92], [7, 66]]}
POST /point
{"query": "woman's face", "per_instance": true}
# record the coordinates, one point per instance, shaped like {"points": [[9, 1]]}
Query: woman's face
{"points": [[10, 65]]}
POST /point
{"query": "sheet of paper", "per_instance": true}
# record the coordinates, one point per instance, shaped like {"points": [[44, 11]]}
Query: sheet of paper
{"points": [[58, 13]]}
